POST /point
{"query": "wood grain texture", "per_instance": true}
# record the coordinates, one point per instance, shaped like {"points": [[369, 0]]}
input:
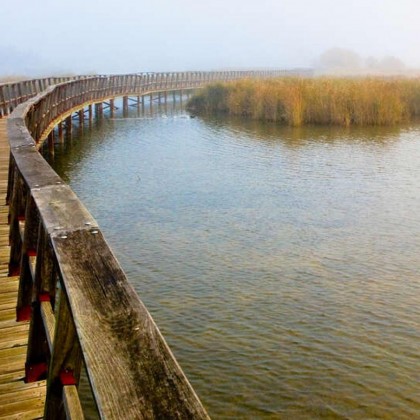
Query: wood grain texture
{"points": [[72, 407], [48, 319], [61, 210]]}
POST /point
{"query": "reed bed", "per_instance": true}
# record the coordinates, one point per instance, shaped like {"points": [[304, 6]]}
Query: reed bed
{"points": [[330, 101]]}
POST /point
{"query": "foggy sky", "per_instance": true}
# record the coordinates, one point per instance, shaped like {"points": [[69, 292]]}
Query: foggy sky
{"points": [[120, 36]]}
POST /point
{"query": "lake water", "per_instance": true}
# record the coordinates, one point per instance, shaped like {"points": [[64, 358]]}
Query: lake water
{"points": [[281, 265]]}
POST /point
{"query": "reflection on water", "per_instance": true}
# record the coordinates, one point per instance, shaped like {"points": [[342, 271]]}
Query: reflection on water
{"points": [[299, 136], [280, 264]]}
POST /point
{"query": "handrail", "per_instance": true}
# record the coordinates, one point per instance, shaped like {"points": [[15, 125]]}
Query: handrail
{"points": [[14, 93], [81, 305]]}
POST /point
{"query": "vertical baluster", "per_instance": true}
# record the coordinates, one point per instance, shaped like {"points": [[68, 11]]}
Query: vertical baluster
{"points": [[17, 207], [3, 111], [38, 354], [66, 360]]}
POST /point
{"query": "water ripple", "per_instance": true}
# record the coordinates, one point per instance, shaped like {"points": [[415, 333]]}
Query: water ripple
{"points": [[280, 264]]}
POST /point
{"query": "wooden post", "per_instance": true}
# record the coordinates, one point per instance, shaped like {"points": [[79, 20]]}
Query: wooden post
{"points": [[138, 104], [90, 115], [99, 111], [111, 107], [51, 142], [69, 127], [81, 119], [125, 106], [42, 322], [26, 230], [66, 360], [38, 352], [29, 252], [16, 215], [60, 132]]}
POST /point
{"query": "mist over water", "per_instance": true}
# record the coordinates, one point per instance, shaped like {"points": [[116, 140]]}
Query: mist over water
{"points": [[280, 264]]}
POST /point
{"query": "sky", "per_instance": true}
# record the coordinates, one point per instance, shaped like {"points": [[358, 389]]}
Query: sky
{"points": [[122, 36]]}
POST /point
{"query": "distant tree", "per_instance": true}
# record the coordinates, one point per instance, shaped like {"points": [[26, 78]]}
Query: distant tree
{"points": [[372, 63], [391, 64], [340, 59]]}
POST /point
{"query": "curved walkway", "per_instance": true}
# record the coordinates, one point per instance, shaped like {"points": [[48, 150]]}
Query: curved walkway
{"points": [[94, 315], [17, 399]]}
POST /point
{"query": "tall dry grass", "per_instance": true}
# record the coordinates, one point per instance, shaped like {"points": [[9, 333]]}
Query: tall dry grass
{"points": [[323, 100]]}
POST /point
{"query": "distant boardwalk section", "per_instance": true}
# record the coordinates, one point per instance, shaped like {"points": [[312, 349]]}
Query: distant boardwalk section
{"points": [[13, 94]]}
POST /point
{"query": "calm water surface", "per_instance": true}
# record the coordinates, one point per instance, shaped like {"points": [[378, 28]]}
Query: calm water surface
{"points": [[281, 265]]}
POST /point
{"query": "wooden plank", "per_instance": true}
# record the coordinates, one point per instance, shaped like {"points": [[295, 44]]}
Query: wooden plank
{"points": [[18, 340], [11, 354], [8, 295], [12, 365], [14, 336], [16, 386], [9, 284], [12, 377], [7, 315], [7, 304], [34, 169], [23, 392], [61, 210], [72, 405], [48, 318], [28, 409], [17, 133], [5, 323]]}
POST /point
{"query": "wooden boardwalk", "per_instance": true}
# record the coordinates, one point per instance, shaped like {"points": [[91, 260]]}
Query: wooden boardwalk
{"points": [[17, 399]]}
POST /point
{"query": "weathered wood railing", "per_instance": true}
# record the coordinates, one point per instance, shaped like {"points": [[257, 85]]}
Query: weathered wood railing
{"points": [[81, 306], [14, 93]]}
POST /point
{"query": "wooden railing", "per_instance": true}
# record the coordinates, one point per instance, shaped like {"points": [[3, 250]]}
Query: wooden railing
{"points": [[13, 94], [81, 306]]}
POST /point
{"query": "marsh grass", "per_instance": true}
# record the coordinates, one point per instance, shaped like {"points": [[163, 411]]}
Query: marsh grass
{"points": [[323, 100]]}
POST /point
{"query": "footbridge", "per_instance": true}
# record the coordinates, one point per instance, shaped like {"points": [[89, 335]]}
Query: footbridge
{"points": [[66, 306]]}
